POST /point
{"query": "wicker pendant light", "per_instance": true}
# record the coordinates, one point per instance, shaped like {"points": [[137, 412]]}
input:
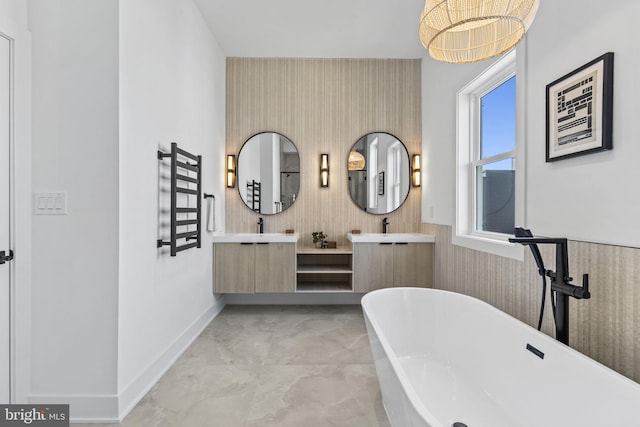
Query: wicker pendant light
{"points": [[356, 161], [461, 31]]}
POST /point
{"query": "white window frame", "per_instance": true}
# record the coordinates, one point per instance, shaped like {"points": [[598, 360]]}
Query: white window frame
{"points": [[465, 231], [393, 166]]}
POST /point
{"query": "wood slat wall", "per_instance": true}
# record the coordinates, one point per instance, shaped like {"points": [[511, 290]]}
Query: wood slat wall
{"points": [[605, 327], [323, 106]]}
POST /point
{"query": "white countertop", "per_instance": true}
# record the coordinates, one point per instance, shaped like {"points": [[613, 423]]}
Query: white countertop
{"points": [[390, 237], [256, 238]]}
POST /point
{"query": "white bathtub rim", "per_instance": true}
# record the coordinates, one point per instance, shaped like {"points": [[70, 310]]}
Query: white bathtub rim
{"points": [[397, 369], [412, 394], [540, 335]]}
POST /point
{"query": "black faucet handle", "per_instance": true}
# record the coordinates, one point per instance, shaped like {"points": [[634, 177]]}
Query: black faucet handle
{"points": [[571, 290], [585, 287]]}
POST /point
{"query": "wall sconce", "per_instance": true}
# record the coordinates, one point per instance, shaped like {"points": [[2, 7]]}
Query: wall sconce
{"points": [[231, 170], [416, 177], [324, 170]]}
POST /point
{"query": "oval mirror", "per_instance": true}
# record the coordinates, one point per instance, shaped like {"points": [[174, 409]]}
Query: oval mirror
{"points": [[268, 173], [379, 173]]}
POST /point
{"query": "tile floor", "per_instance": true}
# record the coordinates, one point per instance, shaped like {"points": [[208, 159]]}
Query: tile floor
{"points": [[298, 366]]}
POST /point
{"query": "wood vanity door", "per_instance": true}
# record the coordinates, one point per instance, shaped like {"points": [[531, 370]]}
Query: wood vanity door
{"points": [[413, 264], [373, 266], [275, 267], [233, 268]]}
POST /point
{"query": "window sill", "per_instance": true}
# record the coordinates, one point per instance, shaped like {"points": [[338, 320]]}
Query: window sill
{"points": [[496, 246]]}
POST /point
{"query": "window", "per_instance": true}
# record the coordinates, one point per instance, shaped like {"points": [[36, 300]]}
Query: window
{"points": [[494, 159], [489, 170]]}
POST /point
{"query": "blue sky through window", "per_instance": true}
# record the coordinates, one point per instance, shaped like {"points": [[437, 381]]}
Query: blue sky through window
{"points": [[498, 115]]}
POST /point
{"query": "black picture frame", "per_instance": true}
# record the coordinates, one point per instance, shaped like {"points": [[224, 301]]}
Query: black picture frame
{"points": [[579, 108], [381, 184]]}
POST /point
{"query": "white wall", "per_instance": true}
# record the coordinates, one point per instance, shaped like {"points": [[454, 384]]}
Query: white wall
{"points": [[112, 83], [75, 256], [440, 84], [585, 198], [172, 88], [269, 172], [594, 197], [13, 23]]}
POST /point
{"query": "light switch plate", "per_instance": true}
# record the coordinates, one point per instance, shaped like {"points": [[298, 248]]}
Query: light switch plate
{"points": [[50, 203]]}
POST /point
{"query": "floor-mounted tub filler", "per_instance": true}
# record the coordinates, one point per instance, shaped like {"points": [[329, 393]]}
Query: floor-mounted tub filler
{"points": [[445, 359]]}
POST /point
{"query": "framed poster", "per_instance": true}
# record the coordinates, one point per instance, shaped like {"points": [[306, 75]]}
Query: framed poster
{"points": [[580, 110]]}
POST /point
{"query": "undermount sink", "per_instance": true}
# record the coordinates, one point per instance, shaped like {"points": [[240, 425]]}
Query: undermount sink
{"points": [[390, 237], [256, 237]]}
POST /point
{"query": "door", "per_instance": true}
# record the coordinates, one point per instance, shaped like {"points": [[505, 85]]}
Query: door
{"points": [[233, 268], [372, 266], [5, 267], [275, 267], [413, 264]]}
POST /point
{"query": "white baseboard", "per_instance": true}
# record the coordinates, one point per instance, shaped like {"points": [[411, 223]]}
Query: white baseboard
{"points": [[99, 408], [129, 397]]}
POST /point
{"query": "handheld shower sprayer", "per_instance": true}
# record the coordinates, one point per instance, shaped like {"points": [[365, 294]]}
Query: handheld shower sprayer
{"points": [[525, 232]]}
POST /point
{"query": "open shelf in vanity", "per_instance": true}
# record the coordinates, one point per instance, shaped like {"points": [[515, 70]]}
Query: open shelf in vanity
{"points": [[324, 270]]}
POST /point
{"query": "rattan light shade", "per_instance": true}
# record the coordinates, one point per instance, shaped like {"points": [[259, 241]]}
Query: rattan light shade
{"points": [[461, 31], [356, 161]]}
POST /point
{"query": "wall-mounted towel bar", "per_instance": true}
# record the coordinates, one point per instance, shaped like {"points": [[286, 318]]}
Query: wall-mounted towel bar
{"points": [[254, 195], [180, 181]]}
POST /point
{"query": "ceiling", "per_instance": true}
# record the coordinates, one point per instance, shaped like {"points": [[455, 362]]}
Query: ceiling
{"points": [[316, 29]]}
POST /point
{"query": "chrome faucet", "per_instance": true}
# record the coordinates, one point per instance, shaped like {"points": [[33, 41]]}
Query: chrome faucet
{"points": [[260, 225], [385, 225]]}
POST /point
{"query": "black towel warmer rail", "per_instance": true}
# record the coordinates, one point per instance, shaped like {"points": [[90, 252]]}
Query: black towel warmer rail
{"points": [[254, 195], [179, 174]]}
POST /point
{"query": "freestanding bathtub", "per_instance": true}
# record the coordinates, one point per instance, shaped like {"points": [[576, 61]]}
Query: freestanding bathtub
{"points": [[444, 358]]}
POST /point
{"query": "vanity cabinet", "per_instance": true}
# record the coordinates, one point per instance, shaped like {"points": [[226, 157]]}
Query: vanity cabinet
{"points": [[324, 270], [392, 264], [275, 267], [413, 264], [233, 268], [373, 266], [250, 267]]}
